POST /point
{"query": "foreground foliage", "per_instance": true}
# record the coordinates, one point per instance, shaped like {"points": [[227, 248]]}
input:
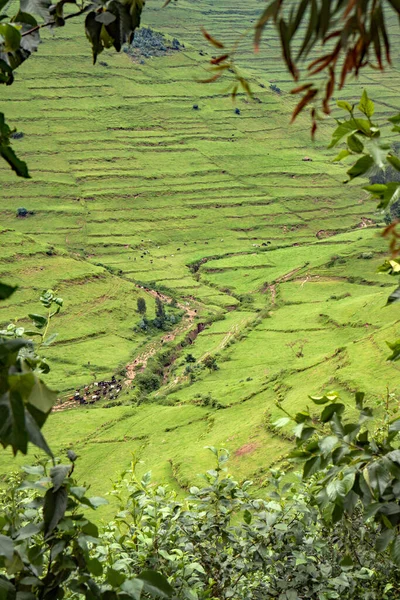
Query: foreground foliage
{"points": [[360, 467], [220, 542], [25, 400], [47, 542]]}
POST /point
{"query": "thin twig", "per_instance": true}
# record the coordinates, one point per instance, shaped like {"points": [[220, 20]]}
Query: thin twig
{"points": [[50, 23]]}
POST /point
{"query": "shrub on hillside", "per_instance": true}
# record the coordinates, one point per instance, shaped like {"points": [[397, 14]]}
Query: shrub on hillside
{"points": [[147, 43], [148, 381]]}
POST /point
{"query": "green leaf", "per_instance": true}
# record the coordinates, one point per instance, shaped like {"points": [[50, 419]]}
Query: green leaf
{"points": [[50, 339], [330, 410], [41, 397], [24, 17], [335, 488], [97, 501], [394, 161], [6, 547], [394, 296], [354, 144], [342, 154], [247, 517], [395, 550], [133, 587], [343, 130], [7, 590], [58, 475], [346, 561], [395, 119], [155, 584], [327, 444], [360, 400], [36, 7], [378, 477], [17, 165], [375, 188], [33, 425], [39, 321], [345, 105], [384, 539], [54, 507], [71, 455], [106, 18], [395, 347], [28, 531], [95, 567], [361, 166], [11, 37], [6, 290], [366, 105], [324, 399], [281, 422], [311, 466], [115, 578], [395, 425], [93, 32]]}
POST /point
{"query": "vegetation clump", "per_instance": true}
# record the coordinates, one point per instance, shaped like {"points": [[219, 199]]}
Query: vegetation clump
{"points": [[148, 43]]}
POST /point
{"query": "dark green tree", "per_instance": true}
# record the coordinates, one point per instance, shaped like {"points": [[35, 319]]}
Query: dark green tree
{"points": [[141, 306], [210, 362], [160, 309]]}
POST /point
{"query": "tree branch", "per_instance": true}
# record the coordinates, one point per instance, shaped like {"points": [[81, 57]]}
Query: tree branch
{"points": [[50, 23]]}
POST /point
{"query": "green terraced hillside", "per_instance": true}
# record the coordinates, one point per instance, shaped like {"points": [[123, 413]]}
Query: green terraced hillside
{"points": [[132, 185]]}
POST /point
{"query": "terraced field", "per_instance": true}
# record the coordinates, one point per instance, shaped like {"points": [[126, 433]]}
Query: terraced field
{"points": [[132, 185]]}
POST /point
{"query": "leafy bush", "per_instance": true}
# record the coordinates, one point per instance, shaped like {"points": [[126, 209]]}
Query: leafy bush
{"points": [[222, 542], [147, 381], [49, 548], [210, 362]]}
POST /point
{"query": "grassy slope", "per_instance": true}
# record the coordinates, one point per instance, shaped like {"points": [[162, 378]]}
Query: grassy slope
{"points": [[121, 163]]}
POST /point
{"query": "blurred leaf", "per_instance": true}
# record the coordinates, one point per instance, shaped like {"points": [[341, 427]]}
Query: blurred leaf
{"points": [[155, 584], [115, 578], [395, 347], [11, 37], [342, 130], [345, 105], [361, 167], [394, 296], [330, 410], [366, 105], [93, 32], [6, 290], [355, 144], [384, 539], [17, 165], [55, 505], [247, 517], [395, 550], [342, 154], [42, 397], [39, 321], [328, 443], [58, 473], [394, 161], [6, 547]]}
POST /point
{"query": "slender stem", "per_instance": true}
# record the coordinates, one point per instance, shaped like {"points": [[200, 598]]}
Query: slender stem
{"points": [[50, 23]]}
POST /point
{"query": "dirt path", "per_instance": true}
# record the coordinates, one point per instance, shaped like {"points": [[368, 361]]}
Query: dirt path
{"points": [[282, 279], [139, 364]]}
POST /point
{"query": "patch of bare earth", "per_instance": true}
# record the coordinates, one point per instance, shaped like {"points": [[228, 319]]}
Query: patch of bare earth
{"points": [[246, 449]]}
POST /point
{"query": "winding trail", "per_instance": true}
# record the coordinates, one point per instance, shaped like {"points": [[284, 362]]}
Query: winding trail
{"points": [[139, 364]]}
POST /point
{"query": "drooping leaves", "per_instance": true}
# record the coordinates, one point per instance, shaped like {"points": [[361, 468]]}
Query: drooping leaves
{"points": [[113, 25], [6, 150]]}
